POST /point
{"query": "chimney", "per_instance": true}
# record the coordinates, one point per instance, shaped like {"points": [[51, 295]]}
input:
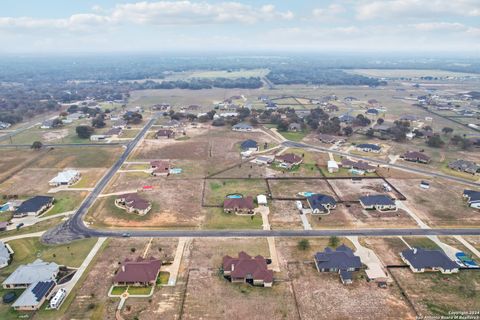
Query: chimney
{"points": [[414, 250], [123, 268]]}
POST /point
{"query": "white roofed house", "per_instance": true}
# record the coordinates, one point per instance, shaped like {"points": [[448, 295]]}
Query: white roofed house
{"points": [[5, 254], [27, 274], [332, 166], [65, 178]]}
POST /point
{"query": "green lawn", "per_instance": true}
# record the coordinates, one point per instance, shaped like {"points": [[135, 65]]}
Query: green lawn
{"points": [[65, 201], [293, 136], [163, 278], [217, 219], [421, 242], [217, 190], [118, 290], [41, 226]]}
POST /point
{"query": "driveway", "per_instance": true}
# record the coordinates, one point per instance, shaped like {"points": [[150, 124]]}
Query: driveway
{"points": [[370, 259]]}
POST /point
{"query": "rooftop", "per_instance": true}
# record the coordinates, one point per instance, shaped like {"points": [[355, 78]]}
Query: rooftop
{"points": [[342, 259], [34, 204], [421, 258], [245, 265], [379, 199], [29, 273], [139, 270]]}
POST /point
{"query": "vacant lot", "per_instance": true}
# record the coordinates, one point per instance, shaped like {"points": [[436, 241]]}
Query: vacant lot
{"points": [[441, 205], [349, 190], [91, 301], [437, 294], [387, 249], [284, 215], [28, 182], [388, 219], [87, 157], [340, 217], [66, 201], [277, 302]]}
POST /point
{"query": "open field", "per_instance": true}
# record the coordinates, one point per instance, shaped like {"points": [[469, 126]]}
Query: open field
{"points": [[229, 74], [291, 187], [217, 190], [349, 190], [79, 158], [409, 73], [65, 201]]}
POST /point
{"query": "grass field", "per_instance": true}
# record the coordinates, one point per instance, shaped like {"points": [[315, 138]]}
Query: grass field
{"points": [[217, 219], [293, 136], [66, 201], [217, 190], [229, 74], [79, 158]]}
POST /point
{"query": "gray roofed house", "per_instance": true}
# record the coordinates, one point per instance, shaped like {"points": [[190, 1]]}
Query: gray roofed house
{"points": [[346, 118], [416, 156], [27, 274], [368, 147], [34, 296], [294, 127], [464, 166], [249, 145], [321, 203], [473, 198], [379, 202], [5, 254], [421, 260], [408, 117], [342, 261], [242, 127]]}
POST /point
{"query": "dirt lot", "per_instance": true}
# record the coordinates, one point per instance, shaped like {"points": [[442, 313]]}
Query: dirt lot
{"points": [[87, 157], [437, 294], [17, 186], [94, 289], [348, 190], [441, 205], [387, 249], [373, 218], [284, 215], [291, 188], [339, 217], [170, 207], [206, 256]]}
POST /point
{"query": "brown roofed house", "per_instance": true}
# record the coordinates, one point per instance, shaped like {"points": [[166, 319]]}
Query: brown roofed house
{"points": [[164, 134], [416, 156], [248, 269], [288, 160], [160, 168], [133, 203], [238, 205], [139, 272]]}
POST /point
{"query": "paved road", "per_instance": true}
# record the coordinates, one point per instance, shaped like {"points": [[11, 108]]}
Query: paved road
{"points": [[292, 144], [75, 224]]}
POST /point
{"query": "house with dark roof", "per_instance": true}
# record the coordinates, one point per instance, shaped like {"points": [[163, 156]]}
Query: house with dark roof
{"points": [[346, 118], [249, 145], [288, 160], [408, 117], [242, 205], [342, 261], [164, 134], [171, 124], [473, 198], [321, 203], [378, 202], [34, 206], [416, 156], [372, 112], [34, 296], [368, 147], [6, 253], [133, 203], [247, 269], [160, 168], [421, 260], [464, 166], [242, 127], [326, 138], [358, 167], [139, 272]]}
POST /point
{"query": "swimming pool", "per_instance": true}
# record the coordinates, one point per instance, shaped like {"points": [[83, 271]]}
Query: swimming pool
{"points": [[4, 207], [235, 196]]}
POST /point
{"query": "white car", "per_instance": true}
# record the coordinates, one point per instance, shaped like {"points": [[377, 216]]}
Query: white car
{"points": [[299, 205]]}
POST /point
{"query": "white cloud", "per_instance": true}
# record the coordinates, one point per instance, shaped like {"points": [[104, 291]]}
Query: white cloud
{"points": [[331, 11], [367, 10]]}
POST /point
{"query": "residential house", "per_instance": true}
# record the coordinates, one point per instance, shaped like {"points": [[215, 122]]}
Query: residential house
{"points": [[464, 166], [346, 118], [242, 205], [294, 127], [378, 202], [6, 253], [65, 178], [114, 132], [289, 160], [4, 125], [321, 203], [3, 225], [332, 166], [341, 261], [133, 203], [160, 168], [473, 198], [27, 274], [416, 156], [98, 137], [263, 160], [226, 115], [243, 127], [421, 260], [368, 147], [246, 269], [33, 206], [164, 134], [139, 272], [119, 124], [47, 124], [372, 112], [34, 296], [326, 138], [249, 145], [409, 118], [171, 124]]}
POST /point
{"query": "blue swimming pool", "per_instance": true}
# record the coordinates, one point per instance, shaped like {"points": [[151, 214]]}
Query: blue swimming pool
{"points": [[234, 196], [4, 207]]}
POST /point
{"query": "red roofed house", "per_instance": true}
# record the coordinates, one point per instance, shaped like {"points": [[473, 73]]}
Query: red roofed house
{"points": [[416, 156], [164, 133], [288, 160], [139, 272], [160, 168], [133, 203], [248, 269], [238, 205]]}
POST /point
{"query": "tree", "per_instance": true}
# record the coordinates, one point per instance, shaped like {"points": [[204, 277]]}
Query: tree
{"points": [[370, 133], [380, 121], [218, 122], [303, 244], [57, 123], [98, 122], [133, 117], [37, 145], [447, 130], [84, 132], [348, 131], [333, 241], [282, 126], [435, 142]]}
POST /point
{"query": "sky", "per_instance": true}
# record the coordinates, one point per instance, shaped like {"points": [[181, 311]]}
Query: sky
{"points": [[102, 26]]}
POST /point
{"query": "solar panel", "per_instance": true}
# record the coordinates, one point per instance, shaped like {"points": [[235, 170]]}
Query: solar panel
{"points": [[42, 288]]}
